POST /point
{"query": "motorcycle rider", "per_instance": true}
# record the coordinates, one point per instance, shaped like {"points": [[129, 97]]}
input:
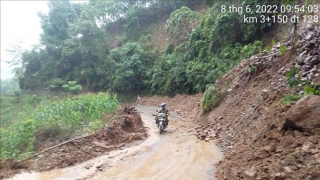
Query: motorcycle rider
{"points": [[165, 111]]}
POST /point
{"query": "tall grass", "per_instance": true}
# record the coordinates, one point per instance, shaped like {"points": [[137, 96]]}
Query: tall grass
{"points": [[64, 119]]}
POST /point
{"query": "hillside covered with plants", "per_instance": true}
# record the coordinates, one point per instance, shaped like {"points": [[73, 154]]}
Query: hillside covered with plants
{"points": [[252, 87], [107, 45], [127, 47]]}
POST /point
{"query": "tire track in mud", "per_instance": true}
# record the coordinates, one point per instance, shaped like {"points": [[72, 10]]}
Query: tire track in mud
{"points": [[176, 155]]}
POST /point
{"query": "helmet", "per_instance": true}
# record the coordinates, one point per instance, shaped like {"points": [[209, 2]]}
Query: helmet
{"points": [[163, 105]]}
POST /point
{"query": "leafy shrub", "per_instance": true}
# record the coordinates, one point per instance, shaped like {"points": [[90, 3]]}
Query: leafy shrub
{"points": [[268, 48], [72, 87], [72, 83], [283, 50], [65, 87], [251, 69], [210, 98], [291, 77], [169, 49], [55, 84], [251, 49], [76, 89], [287, 99], [311, 90]]}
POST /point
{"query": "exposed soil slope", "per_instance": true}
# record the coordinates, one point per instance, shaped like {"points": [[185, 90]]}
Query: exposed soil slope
{"points": [[251, 121]]}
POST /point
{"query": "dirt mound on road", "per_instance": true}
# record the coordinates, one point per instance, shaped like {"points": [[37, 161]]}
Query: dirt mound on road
{"points": [[6, 169], [126, 128]]}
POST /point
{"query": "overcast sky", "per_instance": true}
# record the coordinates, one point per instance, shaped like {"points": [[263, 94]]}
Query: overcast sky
{"points": [[19, 20]]}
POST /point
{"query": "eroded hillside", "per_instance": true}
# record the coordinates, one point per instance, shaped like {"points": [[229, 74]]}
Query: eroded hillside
{"points": [[250, 122]]}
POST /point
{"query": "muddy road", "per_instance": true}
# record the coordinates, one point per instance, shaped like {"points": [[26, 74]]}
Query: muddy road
{"points": [[175, 154]]}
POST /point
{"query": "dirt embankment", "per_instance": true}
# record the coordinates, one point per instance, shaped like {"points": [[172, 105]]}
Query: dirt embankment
{"points": [[262, 138], [126, 128]]}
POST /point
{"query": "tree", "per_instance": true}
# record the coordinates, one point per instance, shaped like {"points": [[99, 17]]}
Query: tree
{"points": [[129, 65], [16, 61], [180, 24]]}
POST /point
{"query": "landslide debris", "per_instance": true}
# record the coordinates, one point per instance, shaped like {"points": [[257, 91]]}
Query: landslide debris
{"points": [[126, 128], [6, 168], [261, 137]]}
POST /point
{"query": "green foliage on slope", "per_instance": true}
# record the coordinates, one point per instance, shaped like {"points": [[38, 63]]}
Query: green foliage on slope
{"points": [[77, 39]]}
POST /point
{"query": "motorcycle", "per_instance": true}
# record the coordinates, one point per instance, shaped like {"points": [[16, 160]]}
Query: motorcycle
{"points": [[161, 117]]}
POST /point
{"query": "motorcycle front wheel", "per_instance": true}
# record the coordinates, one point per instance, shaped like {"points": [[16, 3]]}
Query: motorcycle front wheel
{"points": [[160, 128]]}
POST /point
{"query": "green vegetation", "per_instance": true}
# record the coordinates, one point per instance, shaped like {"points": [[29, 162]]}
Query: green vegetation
{"points": [[269, 47], [287, 99], [61, 119], [251, 69], [80, 43], [311, 90], [72, 87], [292, 78], [17, 107], [211, 98], [110, 46], [283, 50]]}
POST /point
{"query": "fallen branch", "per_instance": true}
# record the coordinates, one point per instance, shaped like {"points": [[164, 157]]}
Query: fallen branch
{"points": [[53, 147]]}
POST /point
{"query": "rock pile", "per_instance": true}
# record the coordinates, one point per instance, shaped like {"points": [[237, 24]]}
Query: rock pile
{"points": [[253, 116], [308, 55], [210, 131], [269, 154]]}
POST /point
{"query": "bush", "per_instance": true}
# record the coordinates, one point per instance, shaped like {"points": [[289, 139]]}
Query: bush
{"points": [[291, 77], [72, 87], [65, 87], [211, 98], [251, 49], [55, 84], [76, 89], [311, 90], [72, 83], [287, 99]]}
